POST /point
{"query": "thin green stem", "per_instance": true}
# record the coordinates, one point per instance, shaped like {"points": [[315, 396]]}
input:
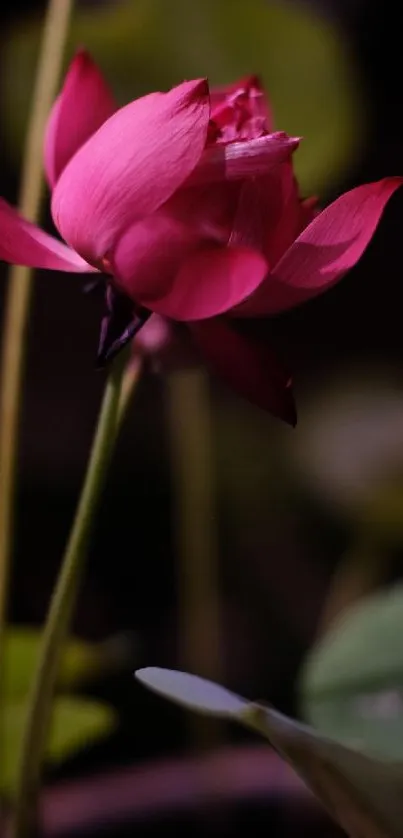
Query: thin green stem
{"points": [[19, 292], [129, 384], [196, 534], [62, 605]]}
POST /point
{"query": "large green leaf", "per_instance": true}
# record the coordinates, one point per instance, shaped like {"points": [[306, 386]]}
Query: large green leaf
{"points": [[352, 681], [365, 795], [76, 724], [303, 60]]}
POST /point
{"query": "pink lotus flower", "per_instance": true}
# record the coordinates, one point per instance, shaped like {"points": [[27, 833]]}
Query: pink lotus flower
{"points": [[187, 201]]}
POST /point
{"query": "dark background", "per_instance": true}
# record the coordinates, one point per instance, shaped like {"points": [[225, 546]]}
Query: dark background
{"points": [[275, 563]]}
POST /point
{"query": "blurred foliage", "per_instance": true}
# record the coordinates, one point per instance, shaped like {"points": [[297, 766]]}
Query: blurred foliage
{"points": [[351, 685], [80, 660], [363, 794], [77, 723], [151, 44], [381, 515], [348, 451], [256, 469], [349, 455]]}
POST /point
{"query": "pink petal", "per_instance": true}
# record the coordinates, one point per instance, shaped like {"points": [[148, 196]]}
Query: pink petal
{"points": [[249, 366], [329, 247], [239, 160], [290, 216], [150, 253], [22, 243], [154, 336], [310, 209], [83, 105], [210, 282], [134, 163], [269, 213]]}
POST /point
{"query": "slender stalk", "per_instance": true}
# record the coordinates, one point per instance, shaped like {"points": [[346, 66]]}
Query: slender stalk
{"points": [[129, 384], [19, 291], [196, 536], [62, 605]]}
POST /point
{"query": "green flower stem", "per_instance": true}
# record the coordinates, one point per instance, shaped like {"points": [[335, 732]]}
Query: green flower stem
{"points": [[196, 536], [62, 605], [19, 292], [129, 384]]}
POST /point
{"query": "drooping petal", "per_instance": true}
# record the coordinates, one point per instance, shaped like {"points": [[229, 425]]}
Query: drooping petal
{"points": [[329, 247], [210, 282], [239, 160], [131, 166], [84, 104], [249, 366], [23, 243], [150, 253]]}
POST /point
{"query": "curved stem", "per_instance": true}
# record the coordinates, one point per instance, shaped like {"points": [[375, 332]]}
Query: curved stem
{"points": [[62, 605], [19, 291]]}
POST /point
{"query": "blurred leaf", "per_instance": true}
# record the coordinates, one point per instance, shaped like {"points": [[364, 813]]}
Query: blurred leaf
{"points": [[150, 44], [349, 447], [80, 660], [380, 514], [363, 794], [352, 681], [76, 724]]}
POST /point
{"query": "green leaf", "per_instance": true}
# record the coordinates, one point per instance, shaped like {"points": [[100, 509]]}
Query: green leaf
{"points": [[79, 661], [76, 724], [352, 681], [151, 44], [363, 794]]}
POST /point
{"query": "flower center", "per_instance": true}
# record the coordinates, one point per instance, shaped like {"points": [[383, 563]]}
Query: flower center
{"points": [[240, 114]]}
